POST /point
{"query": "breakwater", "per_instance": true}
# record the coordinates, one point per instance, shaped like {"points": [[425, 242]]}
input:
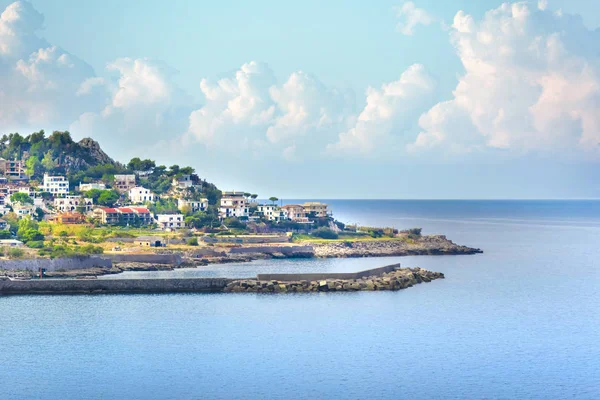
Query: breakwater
{"points": [[390, 277]]}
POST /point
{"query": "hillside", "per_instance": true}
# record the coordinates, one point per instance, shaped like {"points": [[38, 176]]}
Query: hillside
{"points": [[85, 161]]}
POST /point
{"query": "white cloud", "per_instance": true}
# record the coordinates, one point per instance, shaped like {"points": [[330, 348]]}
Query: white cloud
{"points": [[142, 109], [389, 110], [411, 17], [531, 82], [38, 81], [250, 111], [542, 4]]}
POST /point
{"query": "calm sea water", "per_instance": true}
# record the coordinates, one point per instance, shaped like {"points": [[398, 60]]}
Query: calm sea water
{"points": [[521, 320]]}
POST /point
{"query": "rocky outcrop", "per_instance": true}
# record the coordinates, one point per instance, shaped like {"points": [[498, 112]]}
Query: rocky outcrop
{"points": [[394, 280], [425, 245], [96, 154]]}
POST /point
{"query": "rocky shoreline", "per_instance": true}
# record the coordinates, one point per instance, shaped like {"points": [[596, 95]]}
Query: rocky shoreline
{"points": [[396, 280], [425, 245]]}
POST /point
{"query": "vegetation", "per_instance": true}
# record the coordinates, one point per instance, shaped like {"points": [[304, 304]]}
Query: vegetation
{"points": [[15, 252], [325, 233], [22, 198]]}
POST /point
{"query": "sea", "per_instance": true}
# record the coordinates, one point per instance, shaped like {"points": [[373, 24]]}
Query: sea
{"points": [[520, 321]]}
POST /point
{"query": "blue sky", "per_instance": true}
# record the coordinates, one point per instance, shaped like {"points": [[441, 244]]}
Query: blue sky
{"points": [[467, 99]]}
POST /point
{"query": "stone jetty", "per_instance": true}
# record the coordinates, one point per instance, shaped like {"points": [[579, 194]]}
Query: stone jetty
{"points": [[397, 279]]}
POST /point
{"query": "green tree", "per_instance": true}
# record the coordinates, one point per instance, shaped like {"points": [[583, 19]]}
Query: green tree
{"points": [[108, 198], [5, 235], [48, 161], [22, 198], [273, 199], [33, 166]]}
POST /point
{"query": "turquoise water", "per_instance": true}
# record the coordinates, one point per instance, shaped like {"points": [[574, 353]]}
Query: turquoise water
{"points": [[519, 321]]}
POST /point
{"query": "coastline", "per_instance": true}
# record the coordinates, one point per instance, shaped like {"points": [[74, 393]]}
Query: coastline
{"points": [[424, 245]]}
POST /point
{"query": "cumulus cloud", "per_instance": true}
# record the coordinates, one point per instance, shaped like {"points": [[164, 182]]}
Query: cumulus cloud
{"points": [[38, 81], [250, 110], [531, 82], [391, 109], [411, 17], [142, 108]]}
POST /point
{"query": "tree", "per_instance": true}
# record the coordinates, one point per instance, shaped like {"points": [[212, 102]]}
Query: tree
{"points": [[273, 199], [39, 214], [33, 166], [5, 235], [48, 161], [22, 198], [254, 196], [108, 198]]}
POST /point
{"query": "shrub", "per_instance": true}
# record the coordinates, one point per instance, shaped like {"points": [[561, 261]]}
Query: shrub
{"points": [[15, 252], [63, 234], [192, 242], [35, 244], [91, 249], [5, 235], [30, 235], [325, 233]]}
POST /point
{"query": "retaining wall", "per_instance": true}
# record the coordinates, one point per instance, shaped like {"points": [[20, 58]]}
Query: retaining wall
{"points": [[70, 263], [330, 275], [172, 259], [273, 249], [254, 239]]}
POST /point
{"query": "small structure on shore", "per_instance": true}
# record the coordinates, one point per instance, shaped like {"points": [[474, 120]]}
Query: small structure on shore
{"points": [[150, 241]]}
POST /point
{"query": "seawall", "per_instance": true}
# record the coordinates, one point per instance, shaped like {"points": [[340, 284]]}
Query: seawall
{"points": [[90, 286], [328, 275]]}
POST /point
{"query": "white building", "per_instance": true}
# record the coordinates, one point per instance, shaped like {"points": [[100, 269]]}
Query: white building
{"points": [[170, 221], [233, 204], [140, 194], [23, 210], [272, 212], [84, 187], [195, 206], [73, 203], [57, 185], [10, 243]]}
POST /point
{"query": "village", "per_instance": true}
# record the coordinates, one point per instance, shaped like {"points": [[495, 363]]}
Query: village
{"points": [[127, 203]]}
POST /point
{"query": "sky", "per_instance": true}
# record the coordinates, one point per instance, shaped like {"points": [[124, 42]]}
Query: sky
{"points": [[467, 99]]}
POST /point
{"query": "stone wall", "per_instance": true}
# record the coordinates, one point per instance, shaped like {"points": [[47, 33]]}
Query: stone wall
{"points": [[330, 275], [288, 250], [76, 286], [71, 263], [253, 239], [172, 259]]}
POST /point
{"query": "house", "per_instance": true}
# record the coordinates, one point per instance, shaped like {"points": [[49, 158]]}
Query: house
{"points": [[194, 205], [123, 215], [73, 203], [296, 213], [13, 169], [150, 241], [183, 182], [233, 204], [140, 194], [316, 209], [123, 183], [170, 221], [70, 218], [11, 243], [272, 212], [23, 210], [84, 187], [57, 185]]}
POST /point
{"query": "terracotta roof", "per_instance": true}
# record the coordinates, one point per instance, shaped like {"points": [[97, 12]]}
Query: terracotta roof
{"points": [[109, 210], [140, 209], [125, 210]]}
